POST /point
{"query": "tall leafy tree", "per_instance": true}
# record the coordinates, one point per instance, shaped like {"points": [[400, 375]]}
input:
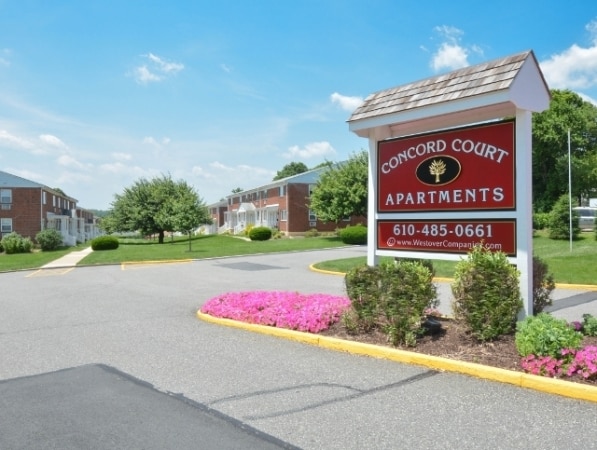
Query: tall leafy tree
{"points": [[290, 169], [342, 190], [567, 111], [157, 206]]}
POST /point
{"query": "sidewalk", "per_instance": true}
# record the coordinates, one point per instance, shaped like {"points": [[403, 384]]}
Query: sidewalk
{"points": [[69, 260]]}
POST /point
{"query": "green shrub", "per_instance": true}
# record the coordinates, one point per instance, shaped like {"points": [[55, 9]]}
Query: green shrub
{"points": [[311, 233], [425, 262], [589, 325], [363, 284], [356, 235], [486, 294], [540, 220], [49, 239], [15, 243], [105, 243], [543, 285], [545, 335], [247, 230], [260, 234], [390, 297], [559, 220]]}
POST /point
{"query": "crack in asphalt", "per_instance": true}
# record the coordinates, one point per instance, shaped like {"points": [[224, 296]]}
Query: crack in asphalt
{"points": [[357, 393]]}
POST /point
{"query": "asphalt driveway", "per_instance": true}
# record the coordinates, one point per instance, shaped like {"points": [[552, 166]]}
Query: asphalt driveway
{"points": [[138, 363]]}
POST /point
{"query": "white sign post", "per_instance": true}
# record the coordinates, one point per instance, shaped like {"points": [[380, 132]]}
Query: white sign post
{"points": [[450, 164]]}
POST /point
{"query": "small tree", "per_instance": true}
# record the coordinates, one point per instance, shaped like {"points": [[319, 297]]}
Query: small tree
{"points": [[156, 206], [290, 169], [342, 190], [559, 220]]}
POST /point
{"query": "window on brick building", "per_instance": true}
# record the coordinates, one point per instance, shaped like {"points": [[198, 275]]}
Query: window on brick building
{"points": [[283, 214], [312, 216], [5, 195], [5, 226]]}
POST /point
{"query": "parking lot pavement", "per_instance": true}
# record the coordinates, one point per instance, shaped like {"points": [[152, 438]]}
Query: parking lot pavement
{"points": [[95, 406], [141, 323]]}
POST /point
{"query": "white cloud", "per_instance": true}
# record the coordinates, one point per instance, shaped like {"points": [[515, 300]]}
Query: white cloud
{"points": [[12, 141], [52, 141], [150, 140], [122, 156], [587, 98], [225, 68], [164, 66], [200, 172], [311, 150], [451, 54], [69, 161], [156, 69], [144, 76], [153, 141], [345, 102], [575, 67], [241, 168]]}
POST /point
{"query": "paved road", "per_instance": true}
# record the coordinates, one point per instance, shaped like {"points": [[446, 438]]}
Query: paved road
{"points": [[125, 337]]}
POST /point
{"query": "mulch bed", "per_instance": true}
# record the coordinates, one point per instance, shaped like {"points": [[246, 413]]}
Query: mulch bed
{"points": [[453, 342]]}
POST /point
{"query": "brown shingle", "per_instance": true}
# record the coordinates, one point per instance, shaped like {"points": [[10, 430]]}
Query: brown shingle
{"points": [[491, 76]]}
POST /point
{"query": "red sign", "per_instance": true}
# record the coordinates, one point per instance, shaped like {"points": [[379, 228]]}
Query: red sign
{"points": [[462, 169], [447, 236]]}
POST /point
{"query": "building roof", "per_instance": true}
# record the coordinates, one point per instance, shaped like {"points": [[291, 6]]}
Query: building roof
{"points": [[308, 177], [473, 94], [8, 180]]}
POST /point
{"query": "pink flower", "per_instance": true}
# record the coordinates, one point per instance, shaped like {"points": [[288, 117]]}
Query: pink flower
{"points": [[303, 312]]}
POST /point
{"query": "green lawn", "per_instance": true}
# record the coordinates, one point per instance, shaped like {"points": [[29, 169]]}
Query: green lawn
{"points": [[578, 266], [208, 246], [33, 260]]}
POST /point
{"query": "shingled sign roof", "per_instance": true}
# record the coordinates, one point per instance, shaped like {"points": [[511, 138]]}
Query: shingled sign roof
{"points": [[476, 93]]}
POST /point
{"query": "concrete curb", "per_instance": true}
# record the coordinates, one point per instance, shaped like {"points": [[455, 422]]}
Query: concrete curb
{"points": [[542, 384]]}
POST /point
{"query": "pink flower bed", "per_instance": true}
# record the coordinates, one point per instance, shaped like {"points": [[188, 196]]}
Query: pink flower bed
{"points": [[582, 363], [292, 310]]}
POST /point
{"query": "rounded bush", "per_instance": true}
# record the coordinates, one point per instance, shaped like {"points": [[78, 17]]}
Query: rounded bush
{"points": [[49, 239], [486, 294], [15, 243], [540, 221], [260, 234], [356, 235], [390, 297], [545, 335], [105, 243]]}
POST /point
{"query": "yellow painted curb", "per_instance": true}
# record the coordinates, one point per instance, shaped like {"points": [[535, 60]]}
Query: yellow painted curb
{"points": [[124, 264], [328, 272], [580, 287], [535, 382]]}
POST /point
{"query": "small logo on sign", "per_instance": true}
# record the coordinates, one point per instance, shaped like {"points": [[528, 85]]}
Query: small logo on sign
{"points": [[438, 170]]}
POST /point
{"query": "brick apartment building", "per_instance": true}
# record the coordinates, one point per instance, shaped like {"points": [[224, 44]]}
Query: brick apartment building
{"points": [[27, 207], [281, 204]]}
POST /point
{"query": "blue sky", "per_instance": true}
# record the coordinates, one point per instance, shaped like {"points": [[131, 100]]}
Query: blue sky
{"points": [[97, 94]]}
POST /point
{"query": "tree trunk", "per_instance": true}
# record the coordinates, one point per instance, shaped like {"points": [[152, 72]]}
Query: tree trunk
{"points": [[161, 237]]}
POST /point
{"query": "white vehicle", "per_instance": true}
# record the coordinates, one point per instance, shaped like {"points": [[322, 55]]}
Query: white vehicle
{"points": [[586, 215]]}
